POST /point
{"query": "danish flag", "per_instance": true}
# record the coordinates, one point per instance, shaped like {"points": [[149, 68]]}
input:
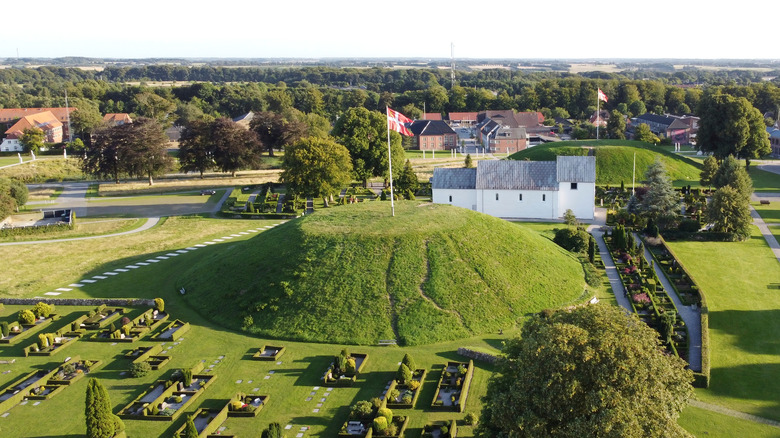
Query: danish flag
{"points": [[602, 96], [397, 122]]}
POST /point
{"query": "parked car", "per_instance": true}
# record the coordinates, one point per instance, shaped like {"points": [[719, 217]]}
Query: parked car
{"points": [[208, 192]]}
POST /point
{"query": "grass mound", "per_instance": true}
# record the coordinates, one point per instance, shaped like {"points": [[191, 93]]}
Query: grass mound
{"points": [[355, 274], [614, 159]]}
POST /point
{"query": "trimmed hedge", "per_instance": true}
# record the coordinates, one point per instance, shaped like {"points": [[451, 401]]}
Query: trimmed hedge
{"points": [[259, 355]]}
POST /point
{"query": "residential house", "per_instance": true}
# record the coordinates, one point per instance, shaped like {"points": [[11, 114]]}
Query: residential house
{"points": [[678, 129], [46, 121], [432, 116], [116, 119], [502, 139], [521, 189], [245, 119], [433, 135], [599, 118], [774, 140], [463, 118], [9, 116], [491, 123]]}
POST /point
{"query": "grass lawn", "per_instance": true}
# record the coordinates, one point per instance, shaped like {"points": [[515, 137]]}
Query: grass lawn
{"points": [[742, 283], [84, 227], [701, 423], [45, 169], [764, 181], [769, 213]]}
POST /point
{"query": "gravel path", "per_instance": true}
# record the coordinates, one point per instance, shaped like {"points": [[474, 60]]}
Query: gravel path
{"points": [[732, 413]]}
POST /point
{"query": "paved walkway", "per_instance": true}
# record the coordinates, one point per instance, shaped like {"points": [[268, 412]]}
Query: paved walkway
{"points": [[732, 413], [689, 314], [599, 221], [768, 236], [150, 222]]}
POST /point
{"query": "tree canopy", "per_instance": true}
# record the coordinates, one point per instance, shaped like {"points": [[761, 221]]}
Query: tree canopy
{"points": [[730, 173], [708, 170], [100, 420], [589, 371], [729, 212], [660, 200], [316, 167], [32, 139]]}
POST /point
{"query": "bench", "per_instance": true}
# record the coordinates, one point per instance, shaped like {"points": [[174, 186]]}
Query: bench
{"points": [[388, 342], [765, 202]]}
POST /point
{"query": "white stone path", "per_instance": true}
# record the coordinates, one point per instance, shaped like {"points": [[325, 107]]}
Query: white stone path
{"points": [[140, 265]]}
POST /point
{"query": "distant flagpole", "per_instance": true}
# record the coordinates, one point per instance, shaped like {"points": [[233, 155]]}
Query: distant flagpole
{"points": [[390, 161], [598, 112], [633, 177]]}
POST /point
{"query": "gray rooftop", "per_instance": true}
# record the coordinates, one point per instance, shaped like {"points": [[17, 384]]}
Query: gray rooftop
{"points": [[516, 175], [576, 169], [454, 178]]}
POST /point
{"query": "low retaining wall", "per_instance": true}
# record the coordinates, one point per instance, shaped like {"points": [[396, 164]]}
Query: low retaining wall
{"points": [[477, 355], [134, 302]]}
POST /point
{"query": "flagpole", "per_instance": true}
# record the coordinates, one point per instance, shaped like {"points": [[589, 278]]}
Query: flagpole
{"points": [[389, 160], [598, 112], [633, 177]]}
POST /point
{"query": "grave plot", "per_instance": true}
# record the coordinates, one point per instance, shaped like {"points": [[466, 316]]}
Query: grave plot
{"points": [[366, 420], [150, 355], [16, 391], [268, 352], [49, 344], [173, 330], [453, 387], [403, 391], [207, 422], [73, 371], [440, 429], [102, 316], [166, 400], [246, 405], [131, 330], [344, 369], [17, 331]]}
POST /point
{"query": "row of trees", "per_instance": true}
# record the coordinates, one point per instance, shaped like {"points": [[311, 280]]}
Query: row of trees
{"points": [[729, 208]]}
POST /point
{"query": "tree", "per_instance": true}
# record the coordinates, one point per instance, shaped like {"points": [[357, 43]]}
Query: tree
{"points": [[100, 419], [468, 162], [86, 119], [234, 147], [196, 152], [637, 108], [153, 106], [643, 133], [144, 151], [407, 180], [190, 431], [616, 125], [364, 134], [32, 139], [14, 190], [589, 371], [569, 218], [660, 201], [276, 131], [729, 211], [731, 126], [708, 171], [316, 167], [730, 173], [274, 430]]}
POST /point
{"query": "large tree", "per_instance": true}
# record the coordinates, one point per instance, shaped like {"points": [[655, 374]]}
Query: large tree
{"points": [[86, 118], [316, 167], [589, 371], [235, 148], [729, 212], [616, 125], [708, 170], [660, 201], [731, 126], [407, 180], [32, 139], [276, 131], [730, 173], [364, 134], [196, 151], [643, 133], [100, 419]]}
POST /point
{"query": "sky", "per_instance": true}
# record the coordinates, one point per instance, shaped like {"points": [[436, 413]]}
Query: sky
{"points": [[570, 29]]}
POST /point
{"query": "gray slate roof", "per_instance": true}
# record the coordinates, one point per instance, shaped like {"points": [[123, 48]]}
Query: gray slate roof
{"points": [[516, 175], [454, 178], [576, 169]]}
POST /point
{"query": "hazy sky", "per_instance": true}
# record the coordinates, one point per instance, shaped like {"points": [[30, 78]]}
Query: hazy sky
{"points": [[350, 28]]}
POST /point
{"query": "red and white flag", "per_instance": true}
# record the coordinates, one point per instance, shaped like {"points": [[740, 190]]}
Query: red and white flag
{"points": [[602, 96], [396, 122]]}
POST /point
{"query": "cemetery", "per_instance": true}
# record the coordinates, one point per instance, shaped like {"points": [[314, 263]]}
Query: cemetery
{"points": [[166, 400], [268, 352], [453, 387], [151, 355], [344, 369]]}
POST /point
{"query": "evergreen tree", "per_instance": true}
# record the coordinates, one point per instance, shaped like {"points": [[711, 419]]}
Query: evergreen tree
{"points": [[100, 419], [708, 171], [274, 430], [729, 211], [190, 431], [407, 181], [592, 249], [730, 173], [660, 201], [409, 362], [469, 163]]}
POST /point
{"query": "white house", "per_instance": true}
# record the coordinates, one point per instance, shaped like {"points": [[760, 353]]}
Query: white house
{"points": [[521, 189], [11, 145]]}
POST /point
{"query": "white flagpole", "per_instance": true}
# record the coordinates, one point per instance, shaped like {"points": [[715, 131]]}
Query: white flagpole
{"points": [[633, 177], [598, 112], [390, 161]]}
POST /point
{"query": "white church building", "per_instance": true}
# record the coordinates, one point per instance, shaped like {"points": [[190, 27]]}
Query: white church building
{"points": [[521, 189]]}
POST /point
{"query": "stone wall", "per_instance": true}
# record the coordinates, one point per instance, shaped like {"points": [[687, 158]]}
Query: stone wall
{"points": [[119, 302], [477, 355]]}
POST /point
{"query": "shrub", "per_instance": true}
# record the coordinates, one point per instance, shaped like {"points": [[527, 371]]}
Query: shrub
{"points": [[274, 430], [407, 398], [689, 225], [385, 412], [159, 305], [176, 399], [42, 309], [471, 419], [43, 340], [444, 430], [392, 430], [187, 377], [572, 239], [591, 274], [126, 321], [140, 369], [361, 410], [26, 317], [404, 374], [413, 385], [376, 402], [462, 370], [350, 366], [380, 424], [4, 328], [409, 362], [248, 322]]}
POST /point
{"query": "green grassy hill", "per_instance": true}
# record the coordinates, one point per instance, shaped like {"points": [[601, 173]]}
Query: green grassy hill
{"points": [[614, 159], [357, 275]]}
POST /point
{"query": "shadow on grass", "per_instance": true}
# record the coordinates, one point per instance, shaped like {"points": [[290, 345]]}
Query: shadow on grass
{"points": [[746, 324], [751, 383]]}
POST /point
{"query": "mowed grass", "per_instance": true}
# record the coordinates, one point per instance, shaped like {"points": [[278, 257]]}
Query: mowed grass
{"points": [[83, 228], [615, 160], [355, 274], [291, 383], [703, 423], [742, 283], [45, 169], [764, 181]]}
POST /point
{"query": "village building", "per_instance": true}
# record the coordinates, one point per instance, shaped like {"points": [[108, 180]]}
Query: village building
{"points": [[46, 121], [521, 189], [433, 135], [507, 131], [117, 119], [678, 129]]}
